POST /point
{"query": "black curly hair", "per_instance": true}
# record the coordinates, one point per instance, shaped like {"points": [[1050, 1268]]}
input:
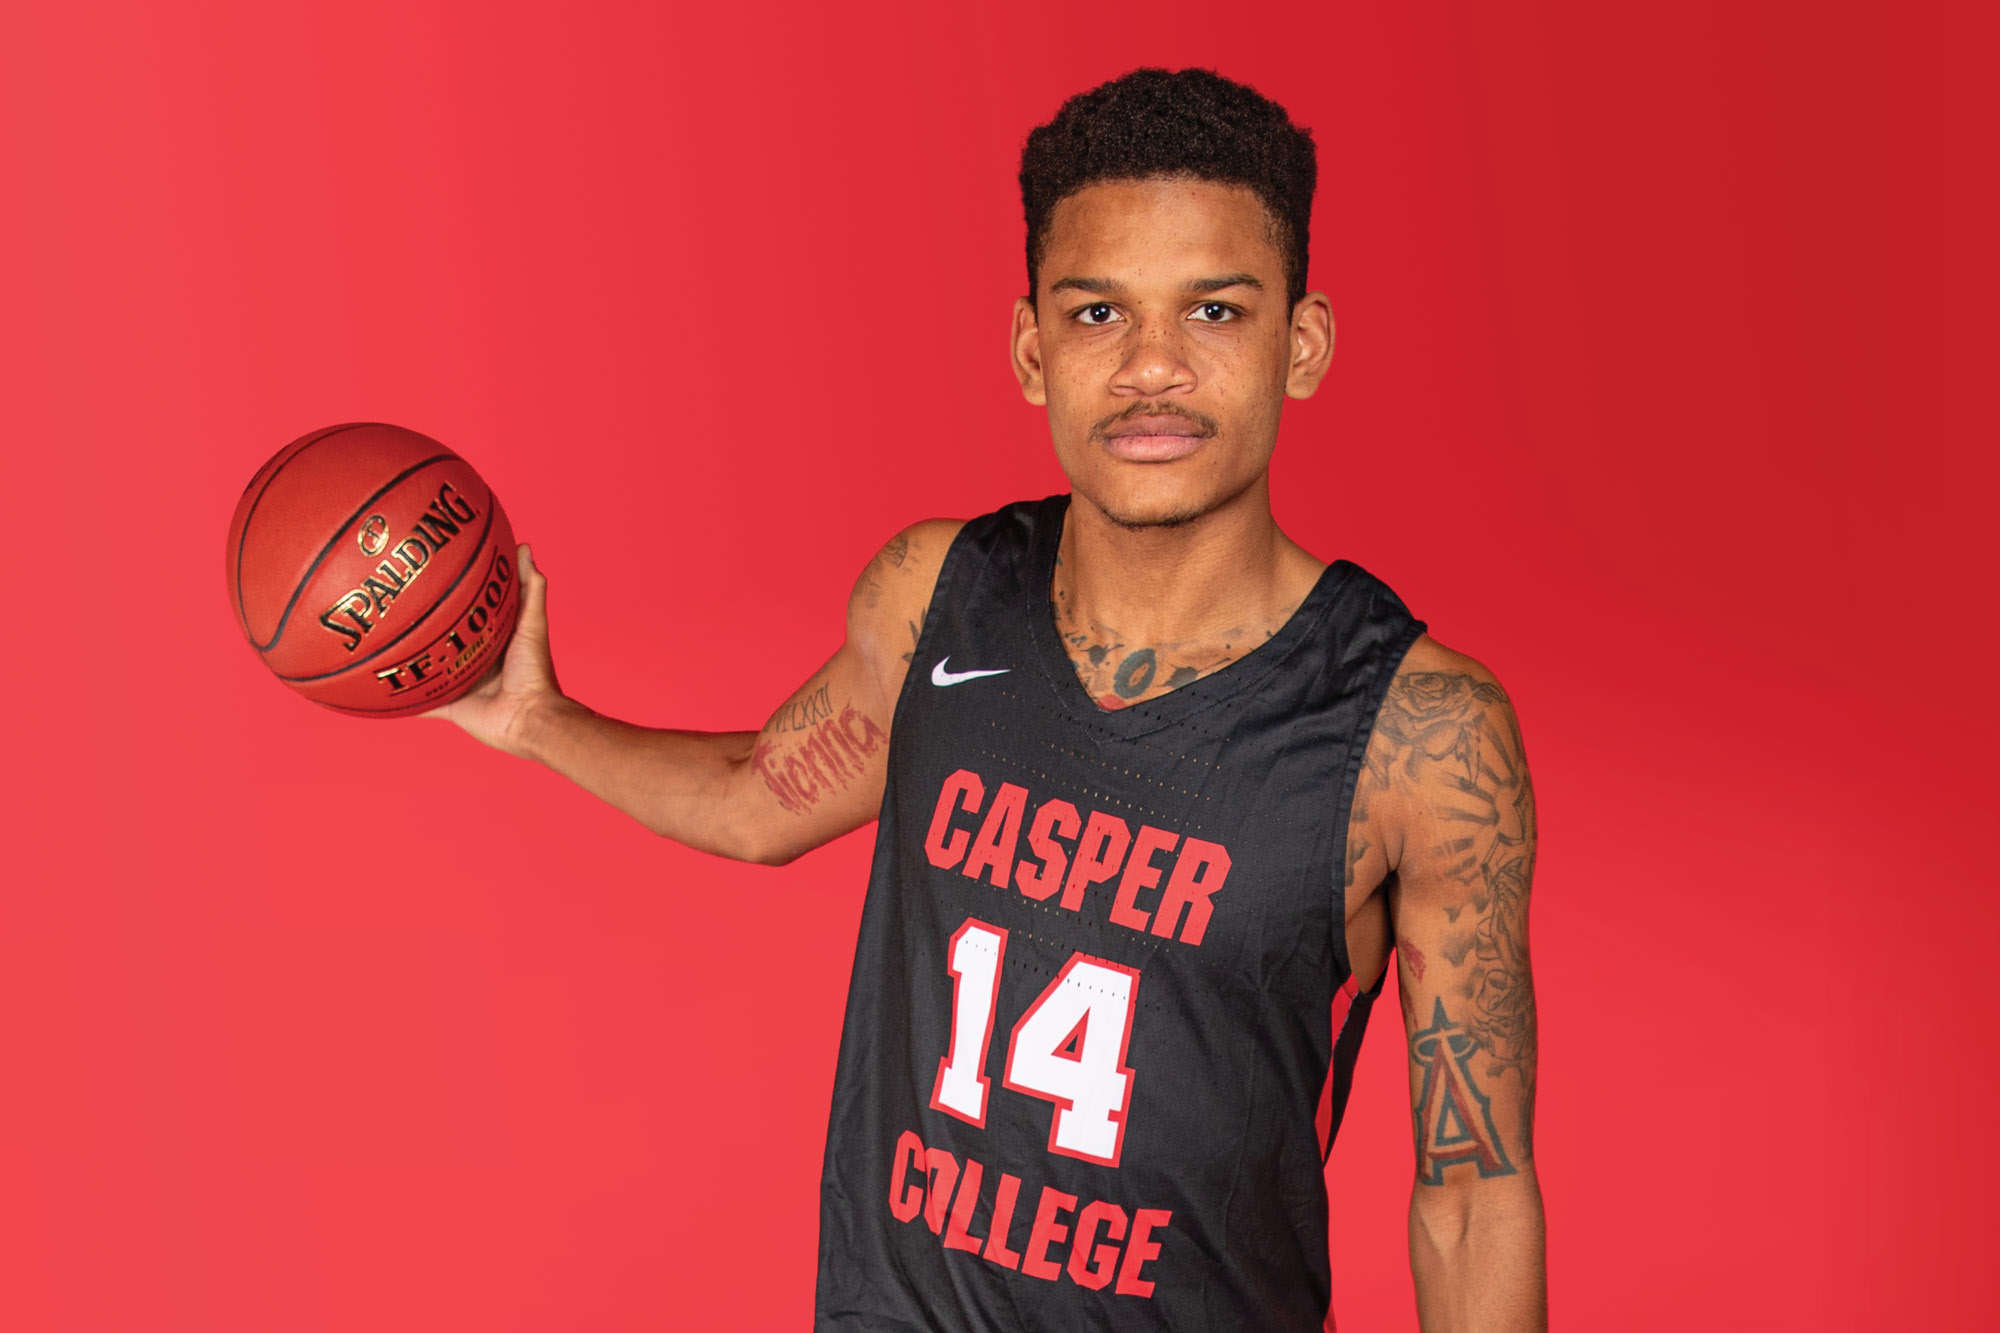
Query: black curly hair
{"points": [[1188, 123]]}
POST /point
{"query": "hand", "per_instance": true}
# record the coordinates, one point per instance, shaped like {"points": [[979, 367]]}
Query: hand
{"points": [[504, 709]]}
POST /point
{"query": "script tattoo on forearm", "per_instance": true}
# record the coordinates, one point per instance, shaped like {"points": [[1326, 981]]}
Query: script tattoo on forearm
{"points": [[1453, 736]]}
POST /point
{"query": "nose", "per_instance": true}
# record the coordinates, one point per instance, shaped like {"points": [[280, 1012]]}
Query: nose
{"points": [[1155, 361]]}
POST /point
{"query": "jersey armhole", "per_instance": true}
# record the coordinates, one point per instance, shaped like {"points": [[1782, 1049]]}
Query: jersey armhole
{"points": [[947, 570], [1383, 664]]}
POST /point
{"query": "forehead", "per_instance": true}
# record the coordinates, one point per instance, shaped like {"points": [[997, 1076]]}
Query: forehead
{"points": [[1167, 225]]}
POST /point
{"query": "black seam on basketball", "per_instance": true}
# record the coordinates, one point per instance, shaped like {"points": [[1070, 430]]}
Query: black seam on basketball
{"points": [[413, 626], [332, 542], [244, 536], [299, 446]]}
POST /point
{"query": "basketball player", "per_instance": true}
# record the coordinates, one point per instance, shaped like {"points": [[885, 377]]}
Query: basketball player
{"points": [[1159, 795]]}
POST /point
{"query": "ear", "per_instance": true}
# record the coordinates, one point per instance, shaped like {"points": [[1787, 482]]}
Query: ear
{"points": [[1312, 345], [1027, 350]]}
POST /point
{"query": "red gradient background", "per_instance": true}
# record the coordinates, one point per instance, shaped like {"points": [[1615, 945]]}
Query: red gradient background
{"points": [[1665, 385]]}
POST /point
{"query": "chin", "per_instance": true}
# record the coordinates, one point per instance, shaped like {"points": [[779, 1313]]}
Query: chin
{"points": [[1151, 506], [1171, 495], [1154, 515]]}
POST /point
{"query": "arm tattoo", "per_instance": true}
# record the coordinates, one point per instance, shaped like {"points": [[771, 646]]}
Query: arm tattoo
{"points": [[833, 754], [803, 710], [890, 557], [1413, 958], [1452, 1118], [1453, 736]]}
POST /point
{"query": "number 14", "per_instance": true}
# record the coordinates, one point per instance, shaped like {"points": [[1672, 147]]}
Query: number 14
{"points": [[1068, 1048]]}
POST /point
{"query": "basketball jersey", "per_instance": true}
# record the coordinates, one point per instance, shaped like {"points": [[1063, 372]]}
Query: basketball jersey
{"points": [[1101, 1021]]}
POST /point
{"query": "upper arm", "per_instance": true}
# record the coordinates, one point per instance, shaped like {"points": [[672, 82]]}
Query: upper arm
{"points": [[822, 758], [1449, 798]]}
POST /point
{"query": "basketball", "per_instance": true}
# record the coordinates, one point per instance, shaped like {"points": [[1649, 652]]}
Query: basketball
{"points": [[373, 570]]}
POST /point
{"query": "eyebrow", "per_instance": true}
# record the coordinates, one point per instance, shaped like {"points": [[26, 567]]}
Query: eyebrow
{"points": [[1094, 286], [1113, 287], [1227, 280]]}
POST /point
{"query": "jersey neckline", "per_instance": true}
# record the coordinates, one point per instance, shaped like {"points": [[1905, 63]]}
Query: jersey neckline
{"points": [[1177, 705]]}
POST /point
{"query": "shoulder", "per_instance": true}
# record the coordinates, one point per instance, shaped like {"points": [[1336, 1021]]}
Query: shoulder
{"points": [[894, 589], [906, 564], [1434, 684], [1446, 748]]}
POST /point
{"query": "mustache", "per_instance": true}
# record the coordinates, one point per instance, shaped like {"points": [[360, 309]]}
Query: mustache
{"points": [[1208, 424]]}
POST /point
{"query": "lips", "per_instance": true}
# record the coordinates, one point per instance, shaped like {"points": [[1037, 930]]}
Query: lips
{"points": [[1153, 439]]}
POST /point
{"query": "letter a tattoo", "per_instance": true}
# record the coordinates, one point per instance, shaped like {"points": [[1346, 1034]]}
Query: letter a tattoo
{"points": [[1454, 1123]]}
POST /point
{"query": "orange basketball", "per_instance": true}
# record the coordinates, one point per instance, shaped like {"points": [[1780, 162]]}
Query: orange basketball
{"points": [[372, 570]]}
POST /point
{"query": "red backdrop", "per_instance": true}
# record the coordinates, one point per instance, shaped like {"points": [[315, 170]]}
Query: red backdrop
{"points": [[1664, 385]]}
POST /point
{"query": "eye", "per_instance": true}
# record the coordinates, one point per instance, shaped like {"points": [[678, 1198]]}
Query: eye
{"points": [[1101, 313], [1213, 312]]}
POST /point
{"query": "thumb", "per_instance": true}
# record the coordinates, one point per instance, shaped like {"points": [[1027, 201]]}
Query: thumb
{"points": [[534, 593]]}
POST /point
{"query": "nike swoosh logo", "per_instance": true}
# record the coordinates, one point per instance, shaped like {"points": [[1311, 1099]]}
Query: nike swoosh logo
{"points": [[939, 676]]}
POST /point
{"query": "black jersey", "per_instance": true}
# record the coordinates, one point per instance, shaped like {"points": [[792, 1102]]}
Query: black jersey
{"points": [[1101, 1019]]}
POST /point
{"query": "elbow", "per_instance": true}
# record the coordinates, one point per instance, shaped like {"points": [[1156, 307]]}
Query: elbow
{"points": [[1478, 1255], [1440, 1219], [770, 856], [1467, 1216], [757, 848]]}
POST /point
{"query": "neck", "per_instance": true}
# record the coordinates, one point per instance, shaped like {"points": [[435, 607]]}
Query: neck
{"points": [[1230, 571]]}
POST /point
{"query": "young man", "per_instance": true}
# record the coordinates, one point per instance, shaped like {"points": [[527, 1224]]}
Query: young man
{"points": [[1158, 792]]}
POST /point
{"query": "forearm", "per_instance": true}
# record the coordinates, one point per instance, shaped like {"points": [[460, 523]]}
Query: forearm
{"points": [[1476, 1253], [685, 785], [813, 773]]}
